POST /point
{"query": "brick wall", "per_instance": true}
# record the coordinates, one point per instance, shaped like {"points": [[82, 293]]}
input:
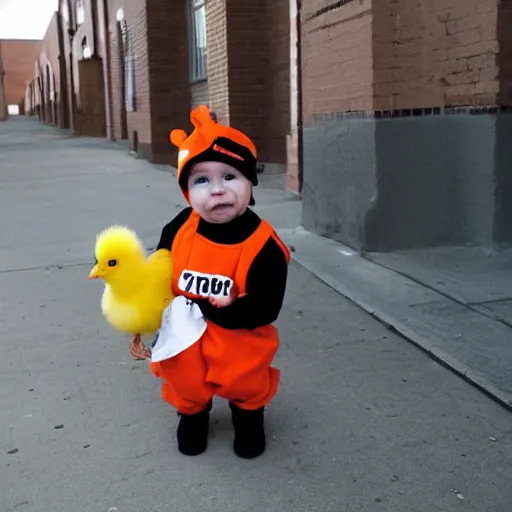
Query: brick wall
{"points": [[104, 51], [91, 72], [117, 112], [168, 74], [18, 59], [336, 57], [505, 55], [199, 94], [83, 34], [434, 54], [85, 30], [277, 103], [50, 57], [249, 67], [248, 70], [247, 40], [218, 82], [67, 23], [64, 110], [397, 54], [138, 120]]}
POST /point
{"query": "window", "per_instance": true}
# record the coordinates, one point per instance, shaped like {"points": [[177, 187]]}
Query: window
{"points": [[198, 68], [129, 66], [129, 71], [80, 12]]}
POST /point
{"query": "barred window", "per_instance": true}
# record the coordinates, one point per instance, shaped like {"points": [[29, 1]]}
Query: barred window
{"points": [[198, 67]]}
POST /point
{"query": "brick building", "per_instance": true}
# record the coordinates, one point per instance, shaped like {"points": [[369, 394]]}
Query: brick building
{"points": [[133, 69], [406, 112], [47, 94], [17, 58]]}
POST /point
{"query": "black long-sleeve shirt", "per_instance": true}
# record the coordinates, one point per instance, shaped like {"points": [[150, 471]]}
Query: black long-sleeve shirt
{"points": [[266, 279]]}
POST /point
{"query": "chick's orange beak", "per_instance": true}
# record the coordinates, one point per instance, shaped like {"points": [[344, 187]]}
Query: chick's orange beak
{"points": [[94, 273]]}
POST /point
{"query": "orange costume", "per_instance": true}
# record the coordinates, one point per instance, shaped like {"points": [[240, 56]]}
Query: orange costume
{"points": [[234, 364], [233, 357]]}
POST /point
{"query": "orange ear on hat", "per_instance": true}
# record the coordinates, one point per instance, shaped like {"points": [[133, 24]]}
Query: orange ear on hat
{"points": [[178, 137], [200, 116]]}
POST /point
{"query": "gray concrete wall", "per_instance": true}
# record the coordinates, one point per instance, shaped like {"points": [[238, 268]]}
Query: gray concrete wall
{"points": [[437, 177], [389, 184], [340, 181], [417, 186], [503, 170], [473, 152]]}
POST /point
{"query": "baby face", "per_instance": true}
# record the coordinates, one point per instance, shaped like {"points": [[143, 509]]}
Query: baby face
{"points": [[218, 192]]}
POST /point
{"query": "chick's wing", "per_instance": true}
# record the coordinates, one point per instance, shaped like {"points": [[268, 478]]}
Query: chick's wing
{"points": [[160, 266]]}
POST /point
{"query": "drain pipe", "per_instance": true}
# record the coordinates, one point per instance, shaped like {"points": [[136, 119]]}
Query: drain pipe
{"points": [[300, 139], [108, 71], [3, 106], [64, 99], [71, 36]]}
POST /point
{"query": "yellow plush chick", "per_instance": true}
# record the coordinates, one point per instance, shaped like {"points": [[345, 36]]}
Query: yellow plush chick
{"points": [[137, 288]]}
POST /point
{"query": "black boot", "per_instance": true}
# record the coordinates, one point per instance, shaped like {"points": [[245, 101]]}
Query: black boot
{"points": [[249, 432], [193, 432]]}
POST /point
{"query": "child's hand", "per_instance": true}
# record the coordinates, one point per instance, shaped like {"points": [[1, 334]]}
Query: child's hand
{"points": [[222, 302]]}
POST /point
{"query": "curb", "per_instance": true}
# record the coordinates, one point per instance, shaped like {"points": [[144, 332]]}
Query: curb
{"points": [[439, 355]]}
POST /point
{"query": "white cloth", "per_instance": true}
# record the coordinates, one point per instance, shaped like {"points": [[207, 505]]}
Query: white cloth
{"points": [[182, 325]]}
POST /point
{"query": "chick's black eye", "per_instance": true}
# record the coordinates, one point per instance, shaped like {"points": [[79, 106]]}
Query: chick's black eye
{"points": [[112, 263]]}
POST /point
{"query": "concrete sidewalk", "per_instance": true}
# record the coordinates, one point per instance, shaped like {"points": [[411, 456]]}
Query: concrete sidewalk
{"points": [[453, 303], [363, 420], [93, 180]]}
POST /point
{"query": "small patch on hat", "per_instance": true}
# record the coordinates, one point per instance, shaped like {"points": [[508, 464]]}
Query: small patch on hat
{"points": [[216, 147]]}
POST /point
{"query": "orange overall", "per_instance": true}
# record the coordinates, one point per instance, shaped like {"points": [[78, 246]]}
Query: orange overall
{"points": [[233, 364]]}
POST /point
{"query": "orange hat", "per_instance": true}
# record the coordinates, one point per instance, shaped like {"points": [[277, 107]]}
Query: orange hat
{"points": [[211, 141]]}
